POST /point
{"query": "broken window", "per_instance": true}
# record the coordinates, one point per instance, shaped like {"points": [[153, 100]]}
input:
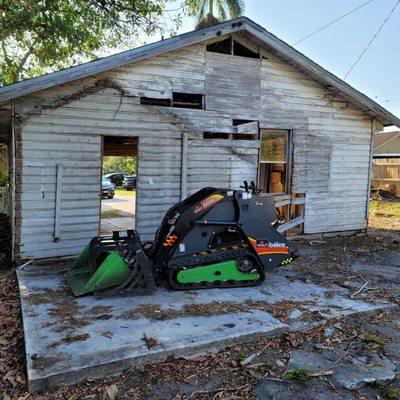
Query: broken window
{"points": [[230, 46], [236, 122], [155, 101], [274, 160], [242, 51], [246, 129], [223, 47], [187, 100]]}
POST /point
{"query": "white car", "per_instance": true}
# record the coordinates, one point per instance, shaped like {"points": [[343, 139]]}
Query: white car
{"points": [[107, 189]]}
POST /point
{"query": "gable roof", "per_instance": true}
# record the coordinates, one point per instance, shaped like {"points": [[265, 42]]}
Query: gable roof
{"points": [[243, 25], [382, 138]]}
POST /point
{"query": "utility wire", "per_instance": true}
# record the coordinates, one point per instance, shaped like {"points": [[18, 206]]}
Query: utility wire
{"points": [[332, 22], [372, 39], [386, 95]]}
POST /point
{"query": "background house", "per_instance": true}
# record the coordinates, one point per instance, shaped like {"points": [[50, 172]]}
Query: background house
{"points": [[386, 160], [211, 107]]}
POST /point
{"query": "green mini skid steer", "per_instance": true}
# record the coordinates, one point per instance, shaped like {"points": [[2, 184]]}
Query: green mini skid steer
{"points": [[214, 238]]}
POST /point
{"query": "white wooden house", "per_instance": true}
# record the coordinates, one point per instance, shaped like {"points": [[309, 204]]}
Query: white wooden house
{"points": [[211, 107]]}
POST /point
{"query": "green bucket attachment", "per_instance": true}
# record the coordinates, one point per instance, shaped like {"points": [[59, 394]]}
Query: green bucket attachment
{"points": [[113, 271]]}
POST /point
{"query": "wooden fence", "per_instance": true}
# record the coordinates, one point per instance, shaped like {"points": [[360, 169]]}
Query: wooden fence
{"points": [[386, 171], [5, 199]]}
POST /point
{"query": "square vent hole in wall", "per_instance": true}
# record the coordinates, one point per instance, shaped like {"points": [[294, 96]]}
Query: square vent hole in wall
{"points": [[216, 135], [187, 100], [150, 101], [230, 46]]}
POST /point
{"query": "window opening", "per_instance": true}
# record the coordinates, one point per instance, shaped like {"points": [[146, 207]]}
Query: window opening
{"points": [[187, 100], [273, 171], [155, 101], [229, 46], [215, 135]]}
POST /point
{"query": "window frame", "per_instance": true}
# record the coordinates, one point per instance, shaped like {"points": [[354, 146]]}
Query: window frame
{"points": [[288, 161]]}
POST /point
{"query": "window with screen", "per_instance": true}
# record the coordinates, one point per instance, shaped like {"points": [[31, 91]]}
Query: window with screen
{"points": [[274, 158]]}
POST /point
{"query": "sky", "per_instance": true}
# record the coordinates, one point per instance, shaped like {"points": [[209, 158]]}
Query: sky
{"points": [[337, 47]]}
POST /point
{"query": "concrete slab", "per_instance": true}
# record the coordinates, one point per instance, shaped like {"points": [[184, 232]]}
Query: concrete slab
{"points": [[350, 370], [68, 339]]}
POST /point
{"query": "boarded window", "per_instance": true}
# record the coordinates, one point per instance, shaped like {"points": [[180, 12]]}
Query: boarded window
{"points": [[274, 160], [318, 170], [233, 84]]}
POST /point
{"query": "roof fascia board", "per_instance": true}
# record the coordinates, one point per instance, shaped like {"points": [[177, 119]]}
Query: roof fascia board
{"points": [[84, 70], [243, 23], [303, 61]]}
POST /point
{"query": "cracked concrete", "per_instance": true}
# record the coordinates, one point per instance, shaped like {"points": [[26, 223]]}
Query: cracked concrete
{"points": [[68, 339], [351, 370]]}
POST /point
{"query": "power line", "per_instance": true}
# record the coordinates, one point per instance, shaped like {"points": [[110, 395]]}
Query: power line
{"points": [[386, 94], [372, 39], [332, 22]]}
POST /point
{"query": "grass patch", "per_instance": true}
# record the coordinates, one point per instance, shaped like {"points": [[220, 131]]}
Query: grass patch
{"points": [[385, 208], [386, 391], [241, 356], [372, 337], [111, 214], [123, 192], [299, 374]]}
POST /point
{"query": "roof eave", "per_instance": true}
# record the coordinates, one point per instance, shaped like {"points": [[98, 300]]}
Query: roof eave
{"points": [[85, 70], [225, 28], [388, 119]]}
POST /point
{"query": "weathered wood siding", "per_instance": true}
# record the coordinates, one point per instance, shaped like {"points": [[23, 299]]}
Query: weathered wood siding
{"points": [[233, 84], [331, 143]]}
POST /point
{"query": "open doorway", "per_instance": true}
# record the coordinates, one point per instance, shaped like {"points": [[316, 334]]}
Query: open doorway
{"points": [[118, 186]]}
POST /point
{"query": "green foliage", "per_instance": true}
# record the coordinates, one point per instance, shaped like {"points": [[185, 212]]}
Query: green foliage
{"points": [[372, 337], [385, 208], [386, 391], [240, 356], [299, 374], [123, 192], [204, 9], [4, 180], [39, 36], [3, 152], [107, 214], [119, 164]]}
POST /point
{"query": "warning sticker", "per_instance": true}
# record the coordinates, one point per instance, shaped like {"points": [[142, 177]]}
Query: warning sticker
{"points": [[207, 203]]}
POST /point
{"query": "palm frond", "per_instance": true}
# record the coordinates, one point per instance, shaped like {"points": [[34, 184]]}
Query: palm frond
{"points": [[221, 10], [235, 8], [201, 9]]}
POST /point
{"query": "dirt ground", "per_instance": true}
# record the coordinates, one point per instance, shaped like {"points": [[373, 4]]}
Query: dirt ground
{"points": [[118, 214], [289, 366]]}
